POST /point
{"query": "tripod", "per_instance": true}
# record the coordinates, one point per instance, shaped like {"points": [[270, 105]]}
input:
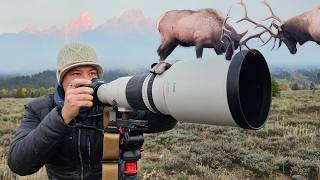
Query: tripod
{"points": [[130, 143]]}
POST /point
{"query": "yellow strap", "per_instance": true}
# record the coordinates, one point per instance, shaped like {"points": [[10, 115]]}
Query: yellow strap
{"points": [[110, 157], [110, 171], [110, 146]]}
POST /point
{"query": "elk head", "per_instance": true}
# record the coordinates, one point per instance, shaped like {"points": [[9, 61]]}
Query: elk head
{"points": [[281, 33], [285, 37], [231, 43]]}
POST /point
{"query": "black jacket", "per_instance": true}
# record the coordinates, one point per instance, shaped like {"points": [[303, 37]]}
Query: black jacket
{"points": [[67, 152]]}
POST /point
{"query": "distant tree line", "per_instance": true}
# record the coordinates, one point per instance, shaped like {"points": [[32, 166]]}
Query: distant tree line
{"points": [[47, 79], [280, 85], [25, 92], [44, 79], [43, 83]]}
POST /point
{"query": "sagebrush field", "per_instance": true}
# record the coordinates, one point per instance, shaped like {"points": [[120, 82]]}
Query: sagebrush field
{"points": [[288, 147]]}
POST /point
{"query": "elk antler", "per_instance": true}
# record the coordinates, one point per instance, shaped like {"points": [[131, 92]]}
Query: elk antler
{"points": [[273, 16], [266, 30], [224, 28], [244, 42], [274, 42], [246, 18]]}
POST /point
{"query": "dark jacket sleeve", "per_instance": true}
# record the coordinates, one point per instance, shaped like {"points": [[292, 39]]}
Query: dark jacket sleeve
{"points": [[35, 139]]}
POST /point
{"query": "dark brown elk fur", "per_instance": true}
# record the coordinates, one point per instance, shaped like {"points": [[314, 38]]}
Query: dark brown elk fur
{"points": [[204, 28], [298, 29]]}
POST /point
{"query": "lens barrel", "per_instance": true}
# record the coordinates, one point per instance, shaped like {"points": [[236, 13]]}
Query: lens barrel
{"points": [[232, 93]]}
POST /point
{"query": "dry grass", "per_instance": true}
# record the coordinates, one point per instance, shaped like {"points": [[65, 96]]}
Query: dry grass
{"points": [[287, 148]]}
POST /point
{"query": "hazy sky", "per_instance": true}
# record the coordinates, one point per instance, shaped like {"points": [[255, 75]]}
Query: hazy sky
{"points": [[82, 16], [15, 15]]}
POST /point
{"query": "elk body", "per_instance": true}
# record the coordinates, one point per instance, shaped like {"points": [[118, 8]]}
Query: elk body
{"points": [[204, 28]]}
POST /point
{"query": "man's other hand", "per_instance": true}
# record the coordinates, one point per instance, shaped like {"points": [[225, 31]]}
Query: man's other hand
{"points": [[76, 95]]}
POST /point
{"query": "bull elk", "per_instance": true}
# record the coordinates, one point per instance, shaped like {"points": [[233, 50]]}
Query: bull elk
{"points": [[298, 29], [205, 28]]}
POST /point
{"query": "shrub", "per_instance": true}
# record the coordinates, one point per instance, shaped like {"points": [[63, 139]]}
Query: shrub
{"points": [[275, 88], [295, 87], [306, 153], [296, 166], [1, 174], [260, 163], [280, 145]]}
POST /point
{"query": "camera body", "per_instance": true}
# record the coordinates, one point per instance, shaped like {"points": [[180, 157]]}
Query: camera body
{"points": [[95, 84]]}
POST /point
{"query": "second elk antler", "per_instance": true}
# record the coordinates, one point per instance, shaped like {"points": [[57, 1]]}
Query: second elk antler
{"points": [[258, 35]]}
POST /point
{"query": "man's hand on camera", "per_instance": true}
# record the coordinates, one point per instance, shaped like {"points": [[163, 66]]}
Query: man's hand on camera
{"points": [[76, 95]]}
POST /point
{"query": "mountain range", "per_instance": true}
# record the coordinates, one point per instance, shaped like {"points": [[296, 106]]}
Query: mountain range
{"points": [[129, 40]]}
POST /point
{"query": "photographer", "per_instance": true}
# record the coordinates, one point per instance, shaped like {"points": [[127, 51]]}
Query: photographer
{"points": [[50, 134]]}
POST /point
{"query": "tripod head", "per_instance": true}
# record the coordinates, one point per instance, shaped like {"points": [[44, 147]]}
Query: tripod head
{"points": [[130, 143]]}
